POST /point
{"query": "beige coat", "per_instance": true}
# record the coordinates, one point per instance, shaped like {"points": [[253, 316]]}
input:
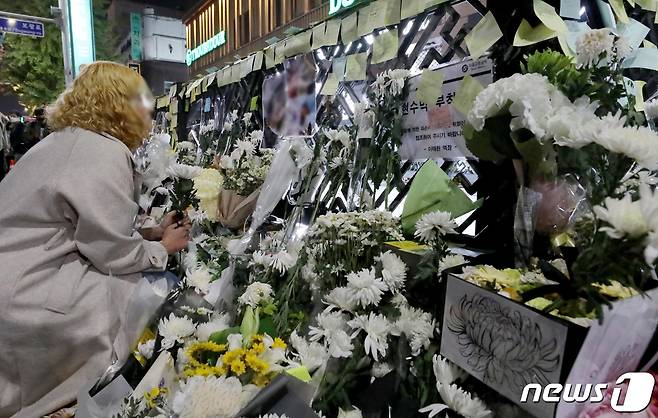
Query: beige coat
{"points": [[69, 260]]}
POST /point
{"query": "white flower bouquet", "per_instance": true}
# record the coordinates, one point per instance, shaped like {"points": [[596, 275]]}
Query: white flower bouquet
{"points": [[244, 171], [580, 145]]}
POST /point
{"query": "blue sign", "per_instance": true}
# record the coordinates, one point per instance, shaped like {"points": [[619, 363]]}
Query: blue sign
{"points": [[81, 26], [21, 27]]}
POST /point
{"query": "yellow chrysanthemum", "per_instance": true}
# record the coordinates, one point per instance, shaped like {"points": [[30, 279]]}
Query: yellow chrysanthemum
{"points": [[233, 355], [258, 348], [203, 370], [261, 380], [238, 367], [279, 343], [256, 364], [153, 394]]}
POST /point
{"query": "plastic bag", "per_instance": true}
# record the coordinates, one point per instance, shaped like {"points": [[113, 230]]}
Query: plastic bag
{"points": [[292, 156]]}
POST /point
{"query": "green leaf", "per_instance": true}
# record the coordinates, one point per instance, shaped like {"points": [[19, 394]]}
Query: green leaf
{"points": [[221, 337]]}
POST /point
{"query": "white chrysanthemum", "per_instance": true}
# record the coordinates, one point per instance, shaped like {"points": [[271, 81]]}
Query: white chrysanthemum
{"points": [[339, 136], [200, 279], [377, 329], [433, 225], [255, 294], [311, 354], [261, 259], [198, 216], [576, 125], [450, 261], [285, 259], [638, 143], [245, 147], [416, 325], [327, 323], [184, 171], [390, 82], [331, 327], [146, 348], [366, 289], [174, 329], [228, 126], [210, 397], [397, 79], [185, 146], [462, 402], [593, 46], [531, 98], [256, 137], [447, 372], [207, 186], [226, 162], [337, 162], [624, 216], [339, 344], [340, 298], [216, 324], [394, 271], [352, 413], [246, 118], [205, 128], [622, 48]]}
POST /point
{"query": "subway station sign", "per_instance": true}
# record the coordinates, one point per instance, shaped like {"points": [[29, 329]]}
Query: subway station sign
{"points": [[336, 6], [206, 47]]}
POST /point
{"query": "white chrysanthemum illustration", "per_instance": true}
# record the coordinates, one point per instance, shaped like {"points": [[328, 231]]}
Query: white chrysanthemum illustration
{"points": [[394, 271], [210, 397], [255, 294], [174, 329], [377, 329], [433, 225], [365, 287]]}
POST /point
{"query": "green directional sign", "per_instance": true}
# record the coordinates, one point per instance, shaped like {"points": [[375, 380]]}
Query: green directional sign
{"points": [[136, 36], [206, 47]]}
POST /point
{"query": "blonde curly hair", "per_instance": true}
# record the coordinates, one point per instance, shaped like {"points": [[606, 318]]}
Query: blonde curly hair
{"points": [[101, 100]]}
